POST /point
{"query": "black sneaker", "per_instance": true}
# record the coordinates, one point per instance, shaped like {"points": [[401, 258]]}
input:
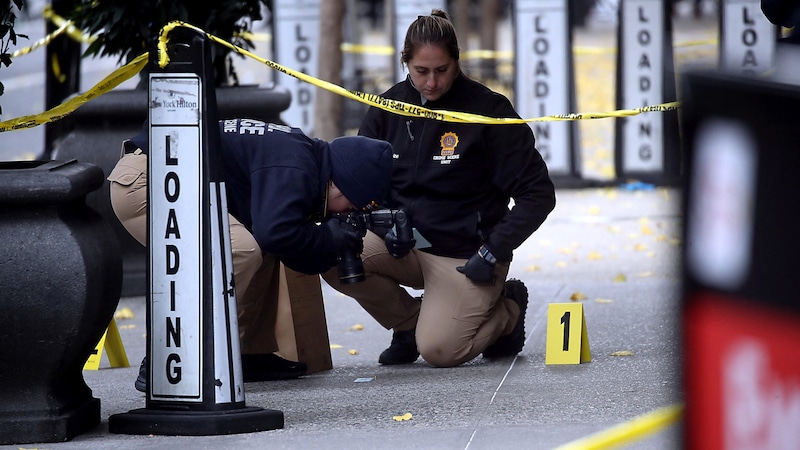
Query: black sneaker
{"points": [[270, 367], [403, 349], [141, 380], [511, 344]]}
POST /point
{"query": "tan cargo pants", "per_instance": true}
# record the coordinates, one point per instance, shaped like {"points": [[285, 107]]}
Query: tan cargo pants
{"points": [[255, 275], [456, 320]]}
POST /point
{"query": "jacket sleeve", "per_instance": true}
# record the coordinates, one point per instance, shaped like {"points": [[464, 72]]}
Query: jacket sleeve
{"points": [[518, 170], [281, 223], [780, 12], [371, 124]]}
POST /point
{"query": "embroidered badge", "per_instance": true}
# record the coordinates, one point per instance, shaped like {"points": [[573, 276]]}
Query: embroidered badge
{"points": [[449, 141]]}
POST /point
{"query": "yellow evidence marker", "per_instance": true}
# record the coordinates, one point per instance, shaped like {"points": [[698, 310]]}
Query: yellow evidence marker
{"points": [[567, 339], [112, 342]]}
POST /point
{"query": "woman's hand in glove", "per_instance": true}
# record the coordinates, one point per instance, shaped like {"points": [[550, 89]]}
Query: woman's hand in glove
{"points": [[478, 270]]}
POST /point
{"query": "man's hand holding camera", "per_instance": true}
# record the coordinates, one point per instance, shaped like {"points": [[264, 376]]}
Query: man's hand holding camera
{"points": [[344, 235], [347, 231]]}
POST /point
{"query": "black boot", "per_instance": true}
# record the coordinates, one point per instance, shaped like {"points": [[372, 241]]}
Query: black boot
{"points": [[270, 367], [403, 349], [511, 344], [141, 379]]}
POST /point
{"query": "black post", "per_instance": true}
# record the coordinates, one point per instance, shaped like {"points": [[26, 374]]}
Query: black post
{"points": [[195, 383], [62, 76]]}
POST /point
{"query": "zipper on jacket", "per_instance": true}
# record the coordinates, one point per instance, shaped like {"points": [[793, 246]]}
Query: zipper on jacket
{"points": [[408, 128]]}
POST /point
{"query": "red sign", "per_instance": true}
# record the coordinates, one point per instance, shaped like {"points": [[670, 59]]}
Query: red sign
{"points": [[742, 369]]}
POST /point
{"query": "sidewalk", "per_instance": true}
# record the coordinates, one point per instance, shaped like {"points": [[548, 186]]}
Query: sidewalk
{"points": [[617, 248], [614, 250]]}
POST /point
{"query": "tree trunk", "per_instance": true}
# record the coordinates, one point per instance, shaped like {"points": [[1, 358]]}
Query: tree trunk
{"points": [[461, 22], [328, 106], [488, 38]]}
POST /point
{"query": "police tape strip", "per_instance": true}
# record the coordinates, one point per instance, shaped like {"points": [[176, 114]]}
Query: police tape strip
{"points": [[64, 26], [72, 31], [58, 112], [630, 431], [41, 42], [386, 50], [397, 107]]}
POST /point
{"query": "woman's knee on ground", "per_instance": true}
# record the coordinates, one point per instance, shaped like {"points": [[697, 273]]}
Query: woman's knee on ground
{"points": [[442, 351]]}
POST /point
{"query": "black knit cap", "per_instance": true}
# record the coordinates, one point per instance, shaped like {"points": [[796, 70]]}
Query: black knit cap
{"points": [[361, 168]]}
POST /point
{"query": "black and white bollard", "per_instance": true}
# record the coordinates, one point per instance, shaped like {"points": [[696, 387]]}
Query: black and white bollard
{"points": [[747, 39], [647, 145], [545, 83], [195, 384]]}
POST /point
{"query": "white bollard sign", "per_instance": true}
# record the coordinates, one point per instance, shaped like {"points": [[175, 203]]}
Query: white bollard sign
{"points": [[296, 37], [642, 83], [747, 38], [543, 81], [179, 248], [176, 238]]}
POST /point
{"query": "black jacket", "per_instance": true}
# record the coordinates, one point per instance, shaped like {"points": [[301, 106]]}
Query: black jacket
{"points": [[276, 184], [455, 180], [785, 13], [276, 181]]}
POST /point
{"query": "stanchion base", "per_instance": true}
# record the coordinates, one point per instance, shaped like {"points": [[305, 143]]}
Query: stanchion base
{"points": [[195, 423]]}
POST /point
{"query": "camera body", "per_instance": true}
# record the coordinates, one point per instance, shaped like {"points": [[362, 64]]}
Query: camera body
{"points": [[350, 266]]}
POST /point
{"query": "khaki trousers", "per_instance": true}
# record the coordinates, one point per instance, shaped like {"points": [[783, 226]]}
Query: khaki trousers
{"points": [[256, 276], [456, 320]]}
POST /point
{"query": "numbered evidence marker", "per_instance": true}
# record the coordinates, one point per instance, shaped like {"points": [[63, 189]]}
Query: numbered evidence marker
{"points": [[112, 342], [567, 339]]}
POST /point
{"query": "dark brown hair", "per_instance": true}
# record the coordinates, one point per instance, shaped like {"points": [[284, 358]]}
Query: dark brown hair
{"points": [[435, 29]]}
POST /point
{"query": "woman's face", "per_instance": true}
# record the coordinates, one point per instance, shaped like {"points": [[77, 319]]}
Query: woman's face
{"points": [[432, 70]]}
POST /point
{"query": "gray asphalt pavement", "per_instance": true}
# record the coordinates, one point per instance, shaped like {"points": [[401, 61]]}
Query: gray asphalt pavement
{"points": [[612, 249], [615, 250]]}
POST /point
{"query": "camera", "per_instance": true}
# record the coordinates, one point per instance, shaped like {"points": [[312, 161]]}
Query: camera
{"points": [[350, 266]]}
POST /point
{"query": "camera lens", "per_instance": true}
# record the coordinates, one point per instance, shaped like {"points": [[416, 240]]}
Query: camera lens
{"points": [[350, 268]]}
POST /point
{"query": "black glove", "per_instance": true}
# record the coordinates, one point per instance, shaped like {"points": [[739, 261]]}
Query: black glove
{"points": [[478, 270], [343, 235], [398, 248]]}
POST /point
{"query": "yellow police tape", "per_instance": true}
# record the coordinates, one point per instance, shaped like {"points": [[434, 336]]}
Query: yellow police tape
{"points": [[388, 50], [630, 431], [56, 113], [64, 26], [72, 30], [394, 106], [41, 42]]}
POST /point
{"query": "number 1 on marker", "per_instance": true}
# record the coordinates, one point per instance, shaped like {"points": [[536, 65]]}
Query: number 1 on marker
{"points": [[565, 322], [567, 339]]}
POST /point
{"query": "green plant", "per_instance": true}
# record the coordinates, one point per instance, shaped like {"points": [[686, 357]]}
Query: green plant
{"points": [[124, 27], [7, 35]]}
